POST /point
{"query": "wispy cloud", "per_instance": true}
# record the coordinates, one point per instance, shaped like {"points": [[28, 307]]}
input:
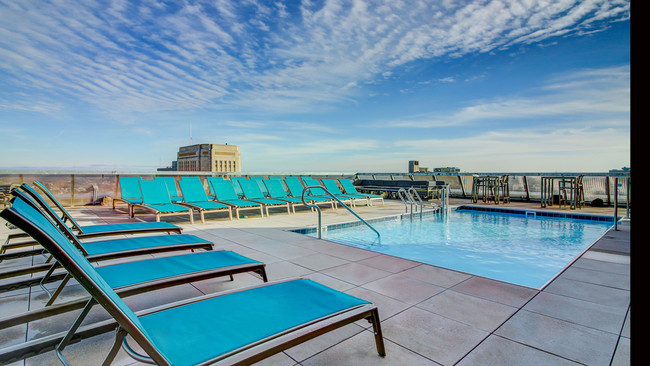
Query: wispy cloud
{"points": [[580, 94], [148, 56]]}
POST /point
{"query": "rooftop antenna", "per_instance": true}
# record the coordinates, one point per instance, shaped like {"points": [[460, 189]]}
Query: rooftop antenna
{"points": [[191, 142]]}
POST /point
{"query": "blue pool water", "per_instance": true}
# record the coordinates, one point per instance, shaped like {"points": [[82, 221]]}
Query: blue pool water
{"points": [[519, 249]]}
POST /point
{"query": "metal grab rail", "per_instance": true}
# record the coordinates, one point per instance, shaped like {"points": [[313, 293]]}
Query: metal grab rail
{"points": [[417, 195], [339, 201]]}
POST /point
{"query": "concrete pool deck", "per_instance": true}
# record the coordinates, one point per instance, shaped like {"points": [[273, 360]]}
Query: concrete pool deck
{"points": [[430, 315]]}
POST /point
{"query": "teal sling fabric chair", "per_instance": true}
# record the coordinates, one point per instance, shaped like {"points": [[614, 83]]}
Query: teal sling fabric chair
{"points": [[85, 231], [276, 191], [155, 199], [310, 182], [349, 188], [195, 197], [170, 183], [226, 327], [295, 188], [98, 250], [129, 192], [334, 189], [252, 192], [225, 193]]}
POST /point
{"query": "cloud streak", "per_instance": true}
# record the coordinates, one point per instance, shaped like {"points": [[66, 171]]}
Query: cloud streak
{"points": [[146, 56]]}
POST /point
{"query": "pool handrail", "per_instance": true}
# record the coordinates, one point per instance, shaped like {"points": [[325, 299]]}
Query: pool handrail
{"points": [[306, 189]]}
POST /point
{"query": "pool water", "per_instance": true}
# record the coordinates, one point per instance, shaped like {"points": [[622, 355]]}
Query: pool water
{"points": [[523, 250]]}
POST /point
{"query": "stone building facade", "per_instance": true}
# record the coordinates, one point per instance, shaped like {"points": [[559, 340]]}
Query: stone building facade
{"points": [[209, 158]]}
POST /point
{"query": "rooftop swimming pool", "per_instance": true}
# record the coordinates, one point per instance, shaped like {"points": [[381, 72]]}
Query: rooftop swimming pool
{"points": [[520, 248]]}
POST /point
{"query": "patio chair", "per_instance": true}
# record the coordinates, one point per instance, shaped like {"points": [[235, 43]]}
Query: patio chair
{"points": [[129, 192], [349, 188], [227, 327], [334, 189], [196, 198], [99, 250], [253, 193], [235, 184], [309, 181], [276, 191], [89, 231], [155, 199], [225, 193], [260, 182], [170, 183], [295, 188], [211, 194]]}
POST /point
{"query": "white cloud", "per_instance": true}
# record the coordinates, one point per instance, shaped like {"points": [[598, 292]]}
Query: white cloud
{"points": [[151, 56]]}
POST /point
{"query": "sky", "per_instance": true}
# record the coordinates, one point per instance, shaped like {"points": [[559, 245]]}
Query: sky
{"points": [[317, 86]]}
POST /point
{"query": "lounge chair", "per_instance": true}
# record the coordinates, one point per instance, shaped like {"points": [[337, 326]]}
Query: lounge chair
{"points": [[97, 250], [156, 199], [349, 188], [253, 193], [295, 188], [228, 327], [334, 189], [225, 193], [89, 231], [129, 192], [196, 198], [170, 182], [276, 191], [260, 182], [309, 181], [211, 194], [235, 184]]}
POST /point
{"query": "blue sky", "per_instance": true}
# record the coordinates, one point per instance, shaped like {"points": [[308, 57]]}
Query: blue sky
{"points": [[334, 86]]}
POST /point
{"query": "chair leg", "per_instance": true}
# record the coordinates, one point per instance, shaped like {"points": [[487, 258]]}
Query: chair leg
{"points": [[379, 337]]}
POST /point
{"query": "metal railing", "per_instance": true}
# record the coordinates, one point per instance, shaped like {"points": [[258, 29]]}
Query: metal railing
{"points": [[320, 227]]}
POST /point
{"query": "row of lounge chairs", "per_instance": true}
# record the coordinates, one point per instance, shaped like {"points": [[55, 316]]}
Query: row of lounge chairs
{"points": [[230, 327], [160, 196]]}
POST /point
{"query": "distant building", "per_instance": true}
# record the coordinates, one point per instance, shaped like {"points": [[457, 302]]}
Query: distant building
{"points": [[209, 158], [172, 168], [446, 170], [414, 167]]}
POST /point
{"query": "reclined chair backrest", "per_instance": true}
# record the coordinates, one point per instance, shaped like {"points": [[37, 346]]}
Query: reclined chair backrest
{"points": [[154, 192], [331, 186], [210, 180], [193, 190], [309, 181], [33, 221], [65, 214], [170, 183], [251, 189], [348, 186], [260, 183], [294, 185], [129, 188], [224, 190], [275, 189]]}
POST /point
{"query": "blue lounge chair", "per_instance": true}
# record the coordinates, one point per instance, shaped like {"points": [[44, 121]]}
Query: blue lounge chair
{"points": [[228, 327], [276, 191], [260, 182], [211, 194], [253, 193], [196, 198], [225, 193], [170, 182], [235, 184], [99, 250], [349, 188], [156, 199], [88, 231], [334, 189], [309, 181], [129, 192], [295, 188]]}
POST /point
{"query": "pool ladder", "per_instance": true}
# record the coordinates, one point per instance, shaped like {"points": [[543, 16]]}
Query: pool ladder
{"points": [[408, 199], [320, 228]]}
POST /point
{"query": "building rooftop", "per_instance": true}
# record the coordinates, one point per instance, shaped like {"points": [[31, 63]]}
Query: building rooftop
{"points": [[430, 315]]}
